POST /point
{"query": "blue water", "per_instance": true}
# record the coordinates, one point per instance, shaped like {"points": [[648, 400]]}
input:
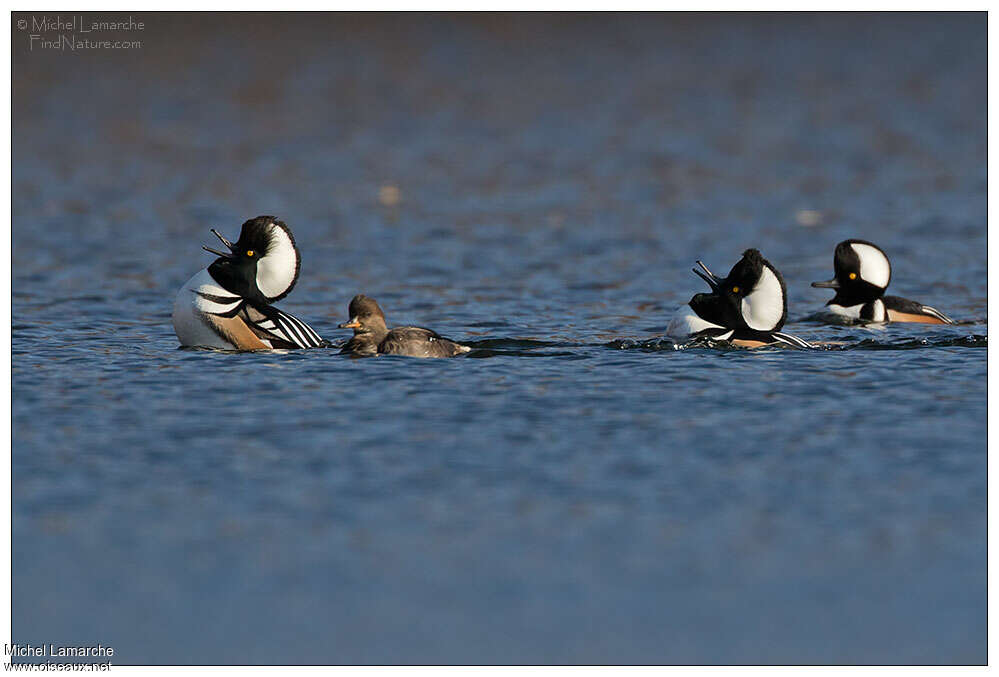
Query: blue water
{"points": [[575, 490]]}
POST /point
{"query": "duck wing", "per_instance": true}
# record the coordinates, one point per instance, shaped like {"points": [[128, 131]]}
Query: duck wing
{"points": [[282, 329], [781, 337], [904, 310], [419, 342]]}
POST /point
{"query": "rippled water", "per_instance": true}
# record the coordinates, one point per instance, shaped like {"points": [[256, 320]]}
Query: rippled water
{"points": [[538, 187]]}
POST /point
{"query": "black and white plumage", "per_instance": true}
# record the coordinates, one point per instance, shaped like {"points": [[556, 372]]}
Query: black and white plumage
{"points": [[227, 305], [863, 273], [280, 328], [746, 308], [372, 336]]}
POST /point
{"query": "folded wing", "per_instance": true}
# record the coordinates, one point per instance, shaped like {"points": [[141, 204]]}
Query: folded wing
{"points": [[419, 342], [281, 329], [904, 310]]}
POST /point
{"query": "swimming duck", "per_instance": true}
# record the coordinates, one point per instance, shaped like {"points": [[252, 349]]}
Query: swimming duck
{"points": [[862, 276], [372, 336], [228, 304], [746, 308]]}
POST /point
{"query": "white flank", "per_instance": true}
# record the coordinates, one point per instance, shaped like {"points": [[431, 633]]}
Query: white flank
{"points": [[874, 266], [276, 271], [763, 307]]}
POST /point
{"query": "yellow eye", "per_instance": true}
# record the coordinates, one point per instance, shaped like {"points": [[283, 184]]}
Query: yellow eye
{"points": [[249, 252], [735, 290], [853, 276]]}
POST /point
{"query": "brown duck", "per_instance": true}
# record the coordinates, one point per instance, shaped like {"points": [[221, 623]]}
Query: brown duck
{"points": [[372, 336]]}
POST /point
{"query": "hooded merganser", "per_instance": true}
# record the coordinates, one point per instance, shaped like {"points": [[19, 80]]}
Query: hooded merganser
{"points": [[227, 305], [372, 336], [747, 308], [862, 276]]}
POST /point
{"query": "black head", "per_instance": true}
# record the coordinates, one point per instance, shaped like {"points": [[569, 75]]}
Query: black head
{"points": [[863, 272], [752, 296], [262, 265], [366, 316]]}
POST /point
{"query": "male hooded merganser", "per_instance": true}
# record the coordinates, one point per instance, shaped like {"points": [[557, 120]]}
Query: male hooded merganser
{"points": [[862, 276], [227, 305], [372, 336], [747, 308]]}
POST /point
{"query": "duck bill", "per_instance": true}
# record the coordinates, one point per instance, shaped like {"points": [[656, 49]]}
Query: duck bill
{"points": [[224, 241], [828, 284], [353, 324], [225, 255], [713, 280]]}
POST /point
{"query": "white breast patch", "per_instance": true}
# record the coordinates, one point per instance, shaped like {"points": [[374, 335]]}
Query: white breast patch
{"points": [[686, 323], [879, 312], [852, 312], [191, 303]]}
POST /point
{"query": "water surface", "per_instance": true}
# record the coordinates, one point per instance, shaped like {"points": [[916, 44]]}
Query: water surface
{"points": [[575, 490]]}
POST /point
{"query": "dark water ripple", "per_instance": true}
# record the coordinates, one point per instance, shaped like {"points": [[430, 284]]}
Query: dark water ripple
{"points": [[577, 488]]}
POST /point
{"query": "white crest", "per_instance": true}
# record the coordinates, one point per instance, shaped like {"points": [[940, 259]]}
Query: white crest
{"points": [[276, 270], [763, 307], [874, 266]]}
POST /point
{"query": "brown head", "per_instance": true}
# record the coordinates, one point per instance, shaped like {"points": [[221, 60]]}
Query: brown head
{"points": [[366, 317]]}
